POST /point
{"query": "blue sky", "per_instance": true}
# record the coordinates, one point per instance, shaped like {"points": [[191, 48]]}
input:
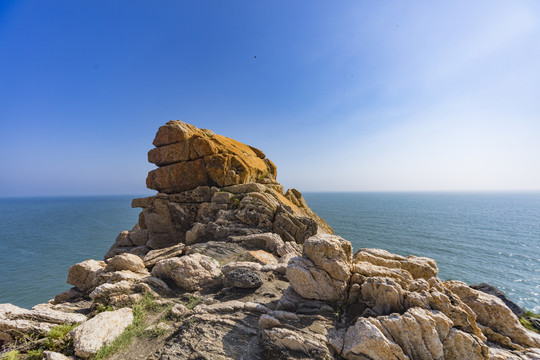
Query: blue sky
{"points": [[342, 96]]}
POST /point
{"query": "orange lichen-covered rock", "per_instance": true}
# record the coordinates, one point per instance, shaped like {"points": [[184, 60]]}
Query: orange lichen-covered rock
{"points": [[189, 157]]}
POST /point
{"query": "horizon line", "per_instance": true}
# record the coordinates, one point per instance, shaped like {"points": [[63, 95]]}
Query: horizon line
{"points": [[303, 192]]}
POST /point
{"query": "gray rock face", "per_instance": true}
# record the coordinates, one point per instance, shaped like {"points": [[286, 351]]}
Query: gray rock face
{"points": [[101, 330], [244, 278]]}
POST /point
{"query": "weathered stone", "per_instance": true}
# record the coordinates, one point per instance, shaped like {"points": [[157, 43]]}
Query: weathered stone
{"points": [[293, 228], [492, 290], [117, 250], [105, 291], [289, 344], [52, 355], [84, 275], [70, 294], [268, 321], [244, 278], [171, 179], [123, 239], [330, 253], [139, 237], [313, 283], [492, 312], [290, 248], [460, 345], [266, 241], [365, 340], [291, 301], [366, 269], [154, 256], [324, 270], [179, 310], [125, 262], [140, 251], [190, 272], [15, 321], [420, 267], [383, 295], [225, 269], [215, 336], [209, 159], [174, 132], [101, 330], [262, 257]]}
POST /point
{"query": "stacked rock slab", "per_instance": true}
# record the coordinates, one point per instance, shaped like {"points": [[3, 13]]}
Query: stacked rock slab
{"points": [[189, 157], [212, 188]]}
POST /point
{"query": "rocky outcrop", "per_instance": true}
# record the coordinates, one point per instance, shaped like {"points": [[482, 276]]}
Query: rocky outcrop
{"points": [[493, 313], [248, 271], [210, 159], [212, 188]]}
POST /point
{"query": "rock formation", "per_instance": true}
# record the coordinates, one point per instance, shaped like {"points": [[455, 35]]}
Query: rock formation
{"points": [[250, 272]]}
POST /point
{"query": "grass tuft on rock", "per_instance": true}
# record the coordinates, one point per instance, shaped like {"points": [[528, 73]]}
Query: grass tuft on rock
{"points": [[524, 320], [12, 355]]}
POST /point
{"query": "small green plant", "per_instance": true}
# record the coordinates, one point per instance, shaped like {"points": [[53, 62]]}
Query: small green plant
{"points": [[34, 355], [527, 323], [12, 355], [155, 332], [101, 308], [192, 302], [531, 314], [57, 338]]}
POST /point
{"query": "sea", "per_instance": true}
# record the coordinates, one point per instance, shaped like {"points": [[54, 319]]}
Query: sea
{"points": [[474, 237]]}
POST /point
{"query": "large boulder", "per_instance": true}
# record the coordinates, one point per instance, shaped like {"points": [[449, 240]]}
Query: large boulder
{"points": [[190, 272], [125, 262], [101, 330], [85, 275], [322, 273]]}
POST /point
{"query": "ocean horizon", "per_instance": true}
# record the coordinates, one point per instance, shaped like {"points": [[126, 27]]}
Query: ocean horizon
{"points": [[488, 236]]}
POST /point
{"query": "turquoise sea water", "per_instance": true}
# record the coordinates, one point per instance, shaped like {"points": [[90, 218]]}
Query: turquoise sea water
{"points": [[474, 237]]}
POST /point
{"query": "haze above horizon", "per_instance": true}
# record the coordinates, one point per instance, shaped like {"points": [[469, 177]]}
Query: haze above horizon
{"points": [[348, 96]]}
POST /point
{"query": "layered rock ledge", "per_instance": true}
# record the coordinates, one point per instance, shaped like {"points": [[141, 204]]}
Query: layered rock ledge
{"points": [[248, 271]]}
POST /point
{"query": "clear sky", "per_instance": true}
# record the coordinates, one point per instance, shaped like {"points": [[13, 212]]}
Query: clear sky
{"points": [[341, 95]]}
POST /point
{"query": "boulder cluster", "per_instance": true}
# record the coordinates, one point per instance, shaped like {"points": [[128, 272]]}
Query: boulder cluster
{"points": [[250, 272]]}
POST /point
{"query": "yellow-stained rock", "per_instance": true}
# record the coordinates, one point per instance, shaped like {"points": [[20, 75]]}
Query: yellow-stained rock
{"points": [[189, 157]]}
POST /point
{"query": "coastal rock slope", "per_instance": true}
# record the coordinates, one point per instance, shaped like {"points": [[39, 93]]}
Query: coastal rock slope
{"points": [[248, 271]]}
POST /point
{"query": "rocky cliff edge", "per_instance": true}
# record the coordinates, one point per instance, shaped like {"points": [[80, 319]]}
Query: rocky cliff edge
{"points": [[226, 265]]}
